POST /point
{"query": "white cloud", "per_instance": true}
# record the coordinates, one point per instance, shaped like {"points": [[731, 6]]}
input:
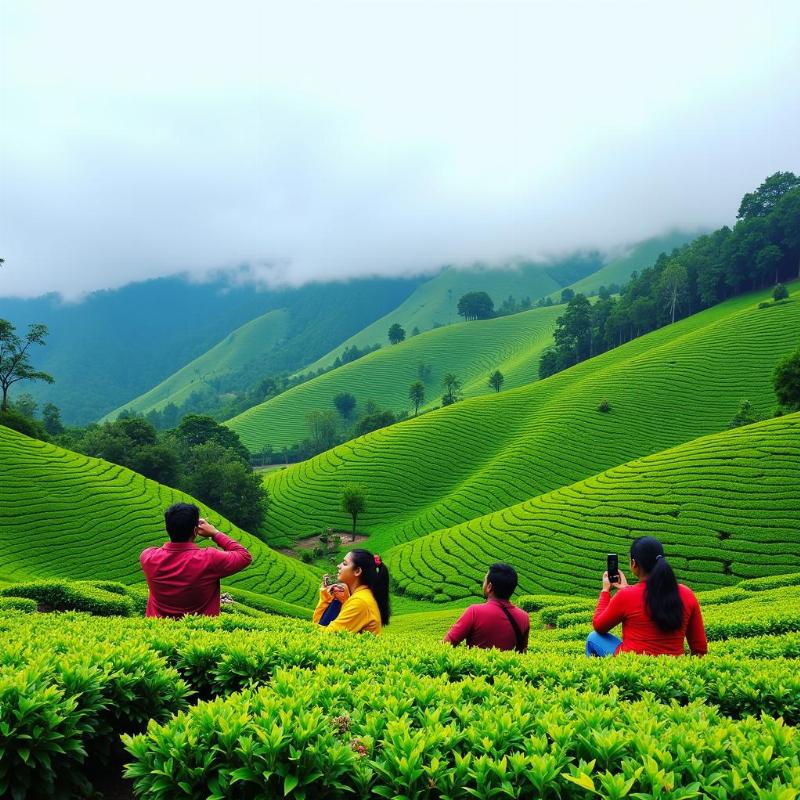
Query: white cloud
{"points": [[335, 139]]}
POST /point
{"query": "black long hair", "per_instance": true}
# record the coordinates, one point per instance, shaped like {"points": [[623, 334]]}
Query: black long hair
{"points": [[375, 576], [661, 596]]}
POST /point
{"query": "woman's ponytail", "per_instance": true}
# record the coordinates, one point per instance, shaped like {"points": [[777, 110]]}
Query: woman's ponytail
{"points": [[661, 596], [374, 575]]}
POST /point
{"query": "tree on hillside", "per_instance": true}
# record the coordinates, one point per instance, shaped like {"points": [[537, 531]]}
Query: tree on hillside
{"points": [[786, 380], [760, 202], [780, 292], [51, 419], [746, 415], [345, 403], [567, 295], [548, 363], [496, 380], [416, 394], [452, 386], [672, 287], [15, 357], [373, 420], [227, 485], [354, 502], [26, 405], [475, 305], [573, 333], [396, 334], [197, 429], [323, 426]]}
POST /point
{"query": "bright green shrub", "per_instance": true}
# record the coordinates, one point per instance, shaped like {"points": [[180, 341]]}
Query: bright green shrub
{"points": [[18, 604], [333, 733], [54, 595]]}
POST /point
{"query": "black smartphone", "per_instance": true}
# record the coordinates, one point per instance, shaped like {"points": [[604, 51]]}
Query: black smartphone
{"points": [[612, 567]]}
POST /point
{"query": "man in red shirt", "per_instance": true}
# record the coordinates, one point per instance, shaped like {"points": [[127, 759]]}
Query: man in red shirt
{"points": [[497, 622], [184, 578]]}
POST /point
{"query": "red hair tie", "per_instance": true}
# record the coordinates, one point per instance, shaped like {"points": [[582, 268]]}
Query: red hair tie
{"points": [[377, 560]]}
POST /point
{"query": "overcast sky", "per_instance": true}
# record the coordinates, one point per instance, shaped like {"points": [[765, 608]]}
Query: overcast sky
{"points": [[335, 139]]}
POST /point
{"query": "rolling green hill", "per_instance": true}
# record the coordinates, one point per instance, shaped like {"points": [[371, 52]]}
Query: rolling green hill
{"points": [[236, 351], [70, 516], [470, 350], [620, 268], [726, 507], [449, 466], [434, 302]]}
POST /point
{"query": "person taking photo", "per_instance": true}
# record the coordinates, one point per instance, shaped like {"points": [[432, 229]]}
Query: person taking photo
{"points": [[657, 613], [362, 588]]}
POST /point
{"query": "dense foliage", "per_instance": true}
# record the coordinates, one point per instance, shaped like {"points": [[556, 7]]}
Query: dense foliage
{"points": [[762, 249], [279, 707]]}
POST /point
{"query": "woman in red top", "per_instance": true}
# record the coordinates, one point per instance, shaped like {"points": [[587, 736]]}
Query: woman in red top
{"points": [[656, 614]]}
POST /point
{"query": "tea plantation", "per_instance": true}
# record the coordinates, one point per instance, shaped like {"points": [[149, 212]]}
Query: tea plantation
{"points": [[64, 515], [488, 453], [470, 350], [262, 707], [726, 507], [238, 349]]}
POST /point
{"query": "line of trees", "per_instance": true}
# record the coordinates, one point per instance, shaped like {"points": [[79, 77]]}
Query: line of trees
{"points": [[762, 249]]}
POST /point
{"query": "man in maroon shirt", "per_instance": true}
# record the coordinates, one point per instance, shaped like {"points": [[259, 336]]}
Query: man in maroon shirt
{"points": [[184, 578], [497, 622]]}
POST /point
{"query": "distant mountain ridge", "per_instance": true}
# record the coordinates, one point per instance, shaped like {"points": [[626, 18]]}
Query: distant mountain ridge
{"points": [[117, 344]]}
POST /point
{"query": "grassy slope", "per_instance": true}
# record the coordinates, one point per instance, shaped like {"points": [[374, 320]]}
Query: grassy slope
{"points": [[726, 506], [235, 351], [484, 454], [644, 254], [435, 302], [70, 516], [470, 350]]}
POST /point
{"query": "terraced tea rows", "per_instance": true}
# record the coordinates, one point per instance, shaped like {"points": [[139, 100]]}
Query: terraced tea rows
{"points": [[471, 350], [487, 453], [67, 515], [434, 302], [240, 348], [726, 506]]}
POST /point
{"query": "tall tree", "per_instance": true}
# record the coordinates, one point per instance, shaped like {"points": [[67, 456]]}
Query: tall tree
{"points": [[672, 285], [323, 426], [51, 419], [15, 357], [475, 305], [396, 333], [416, 394], [354, 502], [496, 380], [760, 202], [452, 385]]}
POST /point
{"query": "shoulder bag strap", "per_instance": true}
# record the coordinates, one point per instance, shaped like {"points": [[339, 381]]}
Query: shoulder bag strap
{"points": [[520, 648]]}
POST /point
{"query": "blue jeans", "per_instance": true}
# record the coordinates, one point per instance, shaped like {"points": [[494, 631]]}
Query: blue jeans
{"points": [[601, 644]]}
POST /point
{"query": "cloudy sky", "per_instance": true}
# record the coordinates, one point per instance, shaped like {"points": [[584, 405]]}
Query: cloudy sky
{"points": [[334, 139]]}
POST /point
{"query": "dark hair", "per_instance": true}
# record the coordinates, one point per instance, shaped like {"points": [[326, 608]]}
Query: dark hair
{"points": [[503, 578], [661, 597], [375, 576], [181, 519]]}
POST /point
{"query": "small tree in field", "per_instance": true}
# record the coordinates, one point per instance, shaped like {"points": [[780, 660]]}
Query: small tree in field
{"points": [[746, 415], [416, 394], [780, 292], [496, 380], [14, 357], [452, 387], [354, 502], [345, 403], [396, 334]]}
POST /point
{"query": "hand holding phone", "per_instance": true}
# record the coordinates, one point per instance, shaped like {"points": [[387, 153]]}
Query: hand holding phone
{"points": [[612, 568]]}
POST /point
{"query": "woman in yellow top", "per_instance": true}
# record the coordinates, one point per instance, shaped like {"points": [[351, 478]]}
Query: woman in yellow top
{"points": [[363, 589]]}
